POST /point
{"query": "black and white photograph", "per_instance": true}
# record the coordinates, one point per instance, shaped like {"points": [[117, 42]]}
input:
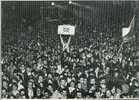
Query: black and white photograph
{"points": [[69, 49]]}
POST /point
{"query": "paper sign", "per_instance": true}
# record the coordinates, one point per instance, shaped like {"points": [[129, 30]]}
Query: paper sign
{"points": [[66, 29]]}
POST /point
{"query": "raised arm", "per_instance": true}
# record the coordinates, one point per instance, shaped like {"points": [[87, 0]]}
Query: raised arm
{"points": [[61, 40], [69, 40]]}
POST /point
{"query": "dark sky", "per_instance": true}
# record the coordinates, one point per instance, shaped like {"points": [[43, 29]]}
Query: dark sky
{"points": [[96, 14]]}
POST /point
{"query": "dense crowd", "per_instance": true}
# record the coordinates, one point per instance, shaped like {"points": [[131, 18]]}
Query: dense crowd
{"points": [[95, 68]]}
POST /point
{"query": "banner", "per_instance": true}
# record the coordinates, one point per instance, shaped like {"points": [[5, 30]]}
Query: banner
{"points": [[66, 30]]}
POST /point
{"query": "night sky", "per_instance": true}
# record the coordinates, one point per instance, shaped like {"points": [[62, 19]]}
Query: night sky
{"points": [[102, 16]]}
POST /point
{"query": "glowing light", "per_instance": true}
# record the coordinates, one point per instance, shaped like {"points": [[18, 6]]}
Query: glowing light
{"points": [[70, 2], [52, 3]]}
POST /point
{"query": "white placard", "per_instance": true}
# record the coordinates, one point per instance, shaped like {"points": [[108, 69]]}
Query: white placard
{"points": [[66, 29]]}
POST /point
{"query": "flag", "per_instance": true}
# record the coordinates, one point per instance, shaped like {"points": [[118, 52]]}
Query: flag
{"points": [[127, 32]]}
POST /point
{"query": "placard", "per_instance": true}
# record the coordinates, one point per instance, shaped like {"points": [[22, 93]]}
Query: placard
{"points": [[66, 30]]}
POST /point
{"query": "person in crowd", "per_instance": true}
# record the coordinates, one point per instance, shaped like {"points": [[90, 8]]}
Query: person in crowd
{"points": [[90, 68]]}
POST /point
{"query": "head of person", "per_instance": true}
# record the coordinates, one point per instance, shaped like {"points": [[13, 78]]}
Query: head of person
{"points": [[92, 81], [125, 88], [98, 93], [14, 86], [46, 94], [107, 70], [108, 94], [15, 72], [92, 60], [64, 93], [69, 74], [45, 62], [72, 84], [81, 80], [28, 69], [135, 83], [74, 64], [79, 86], [38, 91], [4, 92], [137, 75], [22, 93], [39, 60], [113, 90], [49, 76], [40, 78], [92, 89], [12, 97], [79, 94], [5, 84], [63, 82], [85, 81], [116, 74], [19, 77], [56, 76], [136, 93], [22, 68], [118, 90], [5, 77], [30, 84], [33, 73], [14, 80], [103, 83], [35, 66], [50, 88]]}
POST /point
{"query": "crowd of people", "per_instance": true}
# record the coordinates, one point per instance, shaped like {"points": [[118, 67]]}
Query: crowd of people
{"points": [[97, 67]]}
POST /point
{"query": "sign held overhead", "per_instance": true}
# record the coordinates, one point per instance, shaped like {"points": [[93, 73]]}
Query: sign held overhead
{"points": [[66, 30]]}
